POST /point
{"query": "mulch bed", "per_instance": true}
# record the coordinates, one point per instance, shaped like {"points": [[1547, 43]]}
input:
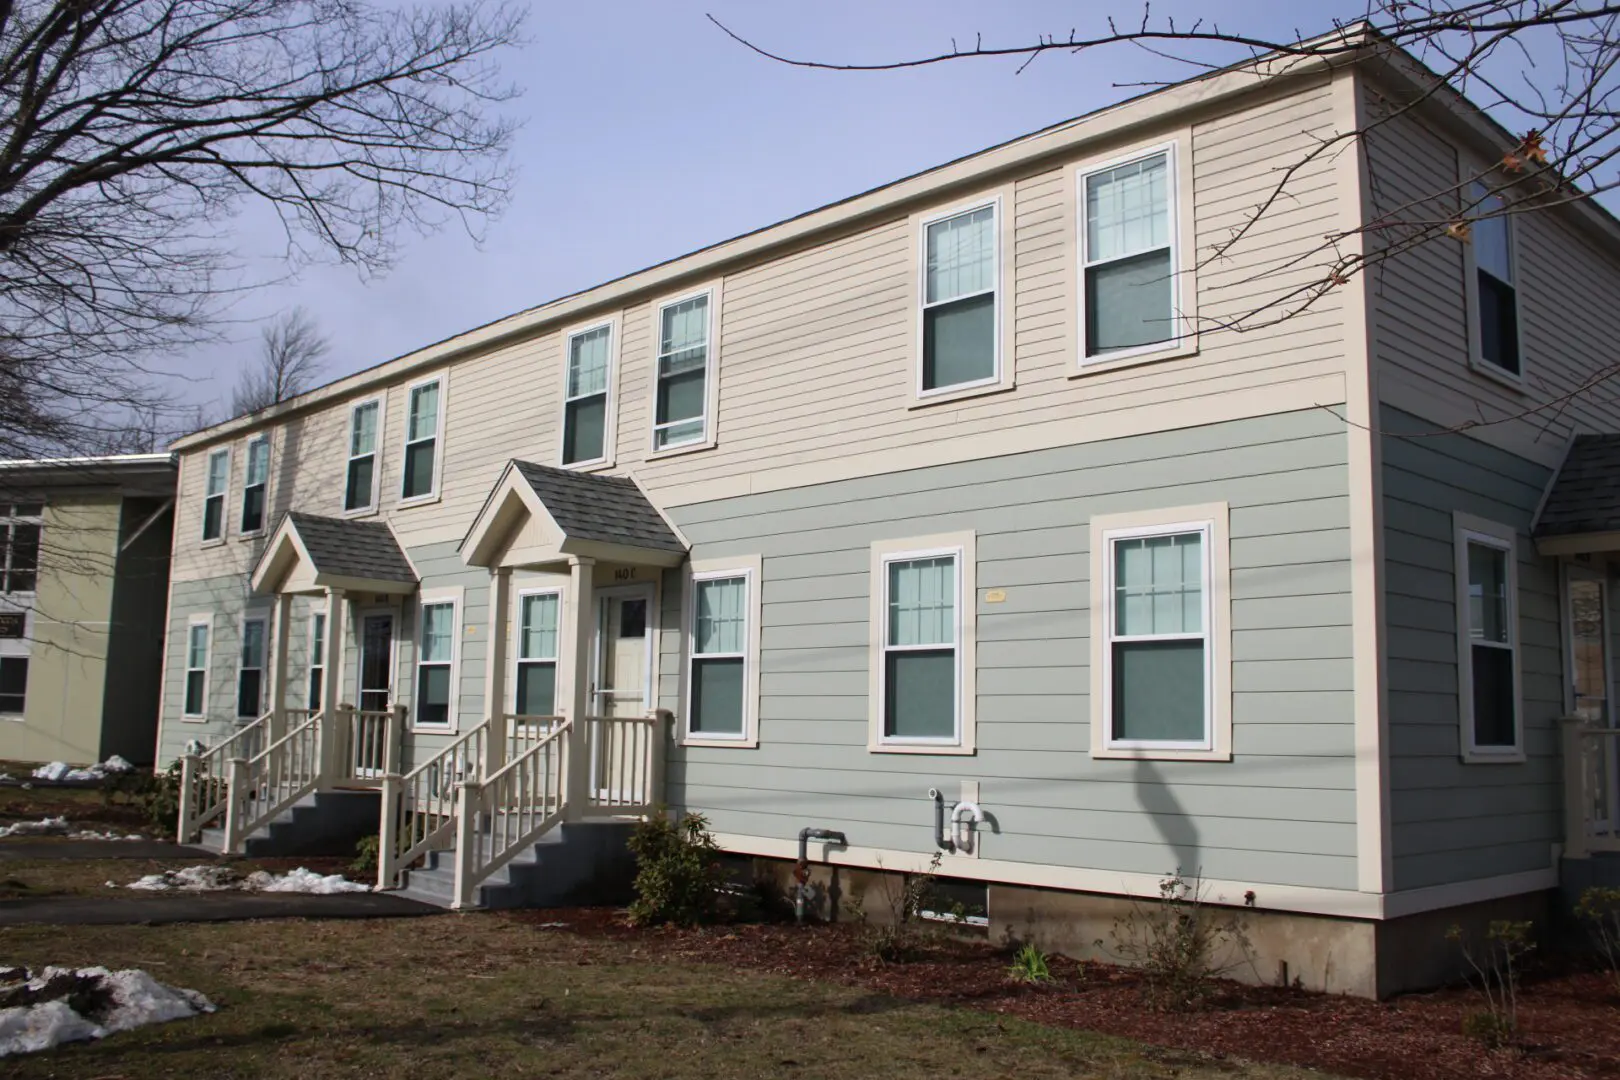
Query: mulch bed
{"points": [[1570, 1021]]}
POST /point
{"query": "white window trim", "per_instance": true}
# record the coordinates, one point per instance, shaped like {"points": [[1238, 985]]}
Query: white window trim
{"points": [[516, 649], [962, 545], [610, 404], [1476, 356], [247, 464], [206, 620], [316, 660], [433, 494], [751, 569], [1468, 529], [428, 598], [711, 377], [1184, 285], [262, 669], [349, 458], [224, 497], [1001, 377], [1212, 519]]}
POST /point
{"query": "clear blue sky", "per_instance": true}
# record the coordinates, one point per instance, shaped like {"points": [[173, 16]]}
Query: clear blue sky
{"points": [[649, 134]]}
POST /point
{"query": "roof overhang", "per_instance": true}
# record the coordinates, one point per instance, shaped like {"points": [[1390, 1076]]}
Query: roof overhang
{"points": [[286, 566], [515, 528]]}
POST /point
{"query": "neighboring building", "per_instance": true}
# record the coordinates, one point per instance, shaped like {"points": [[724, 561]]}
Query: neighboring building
{"points": [[84, 580], [959, 485]]}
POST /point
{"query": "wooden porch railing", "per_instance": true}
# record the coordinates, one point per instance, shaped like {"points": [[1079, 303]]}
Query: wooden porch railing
{"points": [[1591, 816], [263, 786], [205, 777], [419, 808], [512, 808]]}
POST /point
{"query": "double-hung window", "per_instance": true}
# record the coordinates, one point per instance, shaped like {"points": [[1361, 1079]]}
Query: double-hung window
{"points": [[218, 481], [424, 411], [250, 670], [317, 658], [198, 633], [682, 395], [254, 486], [360, 481], [1495, 284], [1488, 639], [920, 662], [585, 405], [435, 663], [20, 525], [1128, 255], [1161, 634], [960, 335], [536, 684], [719, 678], [13, 685]]}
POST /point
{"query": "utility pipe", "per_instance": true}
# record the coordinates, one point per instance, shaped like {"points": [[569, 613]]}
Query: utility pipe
{"points": [[941, 840], [965, 841], [801, 873]]}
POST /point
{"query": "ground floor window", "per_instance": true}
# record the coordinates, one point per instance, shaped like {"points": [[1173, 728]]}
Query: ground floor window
{"points": [[435, 663], [250, 670], [317, 658], [13, 684], [197, 641], [1488, 639], [537, 653], [922, 645]]}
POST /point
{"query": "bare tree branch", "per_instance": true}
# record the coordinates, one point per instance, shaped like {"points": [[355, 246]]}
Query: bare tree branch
{"points": [[290, 354]]}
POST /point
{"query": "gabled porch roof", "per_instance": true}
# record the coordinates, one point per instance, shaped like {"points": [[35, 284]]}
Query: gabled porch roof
{"points": [[307, 553], [1581, 510], [538, 514]]}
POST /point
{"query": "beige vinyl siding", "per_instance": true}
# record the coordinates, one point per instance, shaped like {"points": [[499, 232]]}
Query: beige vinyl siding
{"points": [[816, 346], [1566, 288]]}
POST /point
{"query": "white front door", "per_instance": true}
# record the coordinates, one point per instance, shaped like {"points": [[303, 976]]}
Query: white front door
{"points": [[623, 683], [1587, 604]]}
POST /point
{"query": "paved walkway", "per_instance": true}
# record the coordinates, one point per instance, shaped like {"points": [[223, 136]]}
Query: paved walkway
{"points": [[206, 907], [51, 848]]}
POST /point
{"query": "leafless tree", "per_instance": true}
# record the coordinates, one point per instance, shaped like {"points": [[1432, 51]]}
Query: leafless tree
{"points": [[134, 132], [291, 348], [1547, 71]]}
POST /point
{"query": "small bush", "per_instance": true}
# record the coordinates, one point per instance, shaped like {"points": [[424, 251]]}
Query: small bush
{"points": [[365, 855], [1599, 912], [1029, 965], [1497, 965], [155, 796], [902, 933], [678, 873], [1180, 943]]}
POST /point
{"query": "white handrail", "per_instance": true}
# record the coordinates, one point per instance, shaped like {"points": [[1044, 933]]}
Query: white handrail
{"points": [[624, 758], [275, 778], [205, 777], [523, 731], [419, 808], [371, 742], [508, 811]]}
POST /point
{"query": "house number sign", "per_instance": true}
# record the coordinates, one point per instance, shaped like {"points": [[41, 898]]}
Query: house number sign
{"points": [[624, 573], [11, 624]]}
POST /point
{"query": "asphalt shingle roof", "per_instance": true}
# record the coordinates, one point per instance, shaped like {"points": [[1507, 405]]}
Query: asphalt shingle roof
{"points": [[607, 509], [355, 549], [1585, 495]]}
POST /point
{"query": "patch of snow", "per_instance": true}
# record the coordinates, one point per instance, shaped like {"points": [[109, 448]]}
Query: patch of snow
{"points": [[58, 826], [224, 879], [61, 770], [123, 1000]]}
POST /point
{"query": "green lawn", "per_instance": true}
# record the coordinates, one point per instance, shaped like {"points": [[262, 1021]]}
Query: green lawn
{"points": [[481, 996]]}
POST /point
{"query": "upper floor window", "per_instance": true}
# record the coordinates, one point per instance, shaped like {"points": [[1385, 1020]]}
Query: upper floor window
{"points": [[585, 404], [19, 546], [1495, 284], [682, 405], [219, 480], [960, 341], [360, 482], [254, 485], [419, 474], [1128, 255]]}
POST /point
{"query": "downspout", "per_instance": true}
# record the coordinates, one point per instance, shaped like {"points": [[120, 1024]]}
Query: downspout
{"points": [[801, 873]]}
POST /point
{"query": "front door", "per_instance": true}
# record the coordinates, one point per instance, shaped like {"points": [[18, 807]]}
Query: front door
{"points": [[376, 661], [1588, 610], [623, 652]]}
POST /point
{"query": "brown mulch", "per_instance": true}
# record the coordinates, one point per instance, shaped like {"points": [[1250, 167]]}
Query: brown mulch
{"points": [[1570, 1022]]}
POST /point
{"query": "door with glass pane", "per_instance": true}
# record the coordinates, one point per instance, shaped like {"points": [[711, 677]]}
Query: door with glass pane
{"points": [[1587, 600], [376, 661], [623, 682]]}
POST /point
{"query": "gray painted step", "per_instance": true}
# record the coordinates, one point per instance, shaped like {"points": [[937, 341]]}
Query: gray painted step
{"points": [[325, 823], [576, 864]]}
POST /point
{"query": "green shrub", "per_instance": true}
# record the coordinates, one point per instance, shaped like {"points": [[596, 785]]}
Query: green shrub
{"points": [[678, 874], [902, 933], [1496, 965], [155, 796], [1180, 943], [1029, 965], [1599, 913], [365, 856]]}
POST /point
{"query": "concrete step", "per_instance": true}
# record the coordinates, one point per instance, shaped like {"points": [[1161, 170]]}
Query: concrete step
{"points": [[575, 864], [328, 823]]}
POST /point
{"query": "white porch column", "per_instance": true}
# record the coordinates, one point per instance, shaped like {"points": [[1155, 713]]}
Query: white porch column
{"points": [[280, 631], [332, 683], [500, 618], [583, 598]]}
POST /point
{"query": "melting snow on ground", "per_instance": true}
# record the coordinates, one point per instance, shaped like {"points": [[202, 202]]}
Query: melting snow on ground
{"points": [[223, 878], [61, 770], [60, 1005], [59, 826]]}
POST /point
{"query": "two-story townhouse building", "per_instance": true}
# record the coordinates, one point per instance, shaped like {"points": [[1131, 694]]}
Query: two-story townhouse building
{"points": [[953, 517]]}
